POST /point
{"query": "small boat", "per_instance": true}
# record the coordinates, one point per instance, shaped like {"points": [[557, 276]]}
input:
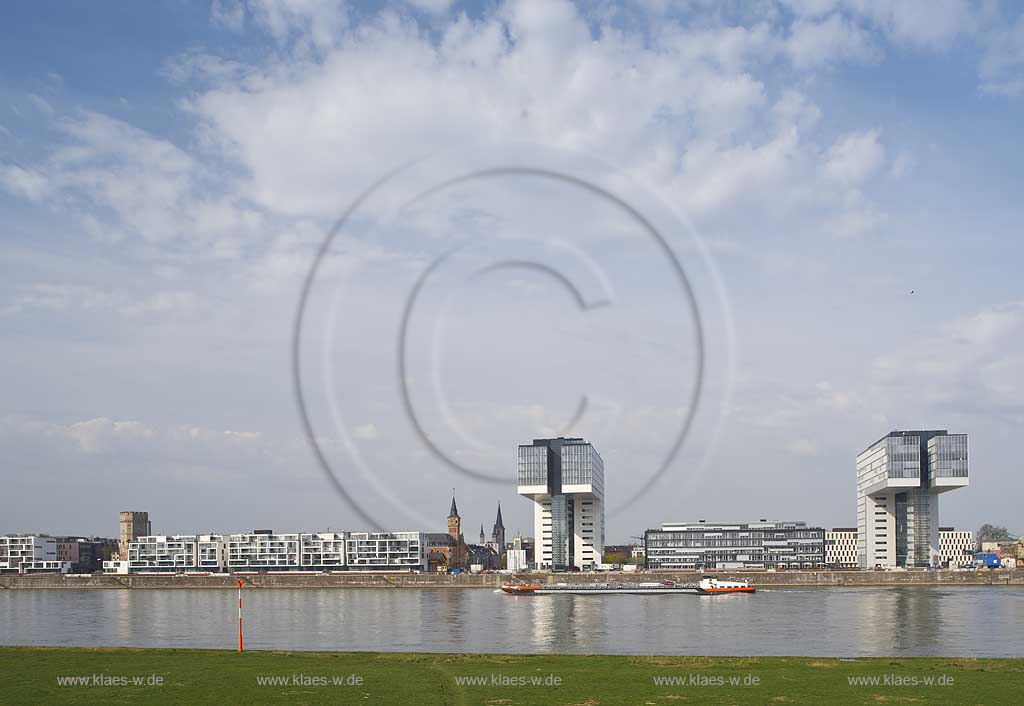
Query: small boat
{"points": [[708, 586]]}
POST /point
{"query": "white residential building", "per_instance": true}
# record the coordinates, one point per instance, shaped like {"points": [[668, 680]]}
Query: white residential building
{"points": [[323, 550], [162, 553], [31, 553], [515, 560], [564, 478], [266, 551], [899, 479], [841, 548], [956, 547], [385, 551], [263, 550]]}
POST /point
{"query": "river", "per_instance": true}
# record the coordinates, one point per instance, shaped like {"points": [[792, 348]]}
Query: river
{"points": [[978, 621]]}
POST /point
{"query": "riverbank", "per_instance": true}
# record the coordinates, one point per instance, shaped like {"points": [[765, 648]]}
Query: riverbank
{"points": [[408, 580], [73, 676]]}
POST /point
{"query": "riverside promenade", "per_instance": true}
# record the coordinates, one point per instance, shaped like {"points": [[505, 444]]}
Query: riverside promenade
{"points": [[761, 579]]}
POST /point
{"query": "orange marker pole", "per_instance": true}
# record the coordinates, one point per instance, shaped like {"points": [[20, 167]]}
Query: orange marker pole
{"points": [[239, 615]]}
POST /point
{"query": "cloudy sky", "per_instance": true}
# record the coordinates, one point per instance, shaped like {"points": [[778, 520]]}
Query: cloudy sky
{"points": [[773, 230]]}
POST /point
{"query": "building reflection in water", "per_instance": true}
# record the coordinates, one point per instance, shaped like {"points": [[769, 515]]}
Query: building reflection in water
{"points": [[568, 623], [898, 620]]}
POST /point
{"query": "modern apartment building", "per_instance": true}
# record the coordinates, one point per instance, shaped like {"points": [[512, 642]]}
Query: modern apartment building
{"points": [[841, 548], [267, 551], [323, 550], [735, 545], [956, 547], [30, 553], [899, 480], [161, 553], [385, 551], [564, 478], [263, 550], [132, 524]]}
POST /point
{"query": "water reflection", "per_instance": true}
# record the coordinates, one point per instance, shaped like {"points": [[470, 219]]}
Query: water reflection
{"points": [[954, 621]]}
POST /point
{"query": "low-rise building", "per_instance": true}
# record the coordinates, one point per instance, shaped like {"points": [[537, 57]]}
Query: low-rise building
{"points": [[267, 551], [841, 548], [956, 547], [515, 560], [324, 551], [735, 545], [263, 550], [30, 554], [385, 551]]}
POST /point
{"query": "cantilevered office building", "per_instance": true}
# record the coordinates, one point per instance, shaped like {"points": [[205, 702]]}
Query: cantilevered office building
{"points": [[564, 478], [899, 480]]}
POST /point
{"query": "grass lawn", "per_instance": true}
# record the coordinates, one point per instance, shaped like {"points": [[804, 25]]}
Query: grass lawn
{"points": [[112, 676]]}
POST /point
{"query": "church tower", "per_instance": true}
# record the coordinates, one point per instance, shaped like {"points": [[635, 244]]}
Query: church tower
{"points": [[483, 538], [498, 535], [454, 522]]}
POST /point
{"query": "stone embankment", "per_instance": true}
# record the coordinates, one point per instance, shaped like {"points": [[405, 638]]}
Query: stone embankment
{"points": [[410, 580]]}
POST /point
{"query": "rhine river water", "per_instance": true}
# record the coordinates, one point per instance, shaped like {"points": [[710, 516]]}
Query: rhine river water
{"points": [[846, 622]]}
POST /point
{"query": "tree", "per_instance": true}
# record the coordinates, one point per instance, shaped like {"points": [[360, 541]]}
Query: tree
{"points": [[993, 533]]}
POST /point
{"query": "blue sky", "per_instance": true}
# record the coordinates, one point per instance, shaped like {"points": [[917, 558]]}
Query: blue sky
{"points": [[168, 170]]}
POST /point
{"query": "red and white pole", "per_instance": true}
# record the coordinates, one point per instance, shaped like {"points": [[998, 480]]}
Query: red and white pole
{"points": [[239, 615]]}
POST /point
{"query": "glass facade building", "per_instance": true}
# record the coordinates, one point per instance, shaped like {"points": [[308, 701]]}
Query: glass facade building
{"points": [[564, 478], [704, 546], [899, 479]]}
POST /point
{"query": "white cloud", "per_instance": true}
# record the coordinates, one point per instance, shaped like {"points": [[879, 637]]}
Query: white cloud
{"points": [[63, 297], [931, 24], [229, 14], [310, 24], [26, 183], [855, 157], [436, 7], [832, 40]]}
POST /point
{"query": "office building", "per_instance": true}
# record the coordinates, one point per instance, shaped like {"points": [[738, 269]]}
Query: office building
{"points": [[841, 548], [564, 478], [85, 554], [956, 547], [899, 480], [735, 545], [526, 545]]}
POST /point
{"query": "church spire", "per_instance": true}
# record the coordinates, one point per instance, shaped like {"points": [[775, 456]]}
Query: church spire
{"points": [[497, 523], [454, 511], [483, 539]]}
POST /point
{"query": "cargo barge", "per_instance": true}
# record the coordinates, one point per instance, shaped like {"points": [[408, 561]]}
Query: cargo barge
{"points": [[706, 587]]}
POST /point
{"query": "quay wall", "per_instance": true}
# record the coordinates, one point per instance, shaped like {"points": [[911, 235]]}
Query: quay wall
{"points": [[398, 580]]}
